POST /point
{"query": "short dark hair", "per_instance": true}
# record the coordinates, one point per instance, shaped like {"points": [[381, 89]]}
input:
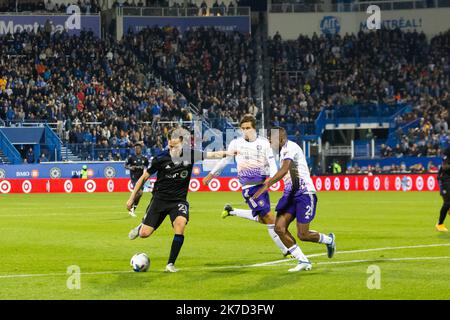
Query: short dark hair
{"points": [[248, 118], [281, 130]]}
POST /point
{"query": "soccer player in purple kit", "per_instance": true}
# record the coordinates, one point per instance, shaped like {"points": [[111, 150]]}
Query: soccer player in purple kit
{"points": [[299, 201], [255, 163]]}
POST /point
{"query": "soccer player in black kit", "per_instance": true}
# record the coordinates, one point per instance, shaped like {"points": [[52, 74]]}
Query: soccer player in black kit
{"points": [[444, 187], [136, 164], [173, 168]]}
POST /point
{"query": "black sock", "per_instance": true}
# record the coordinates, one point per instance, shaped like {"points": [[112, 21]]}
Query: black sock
{"points": [[444, 210], [177, 243]]}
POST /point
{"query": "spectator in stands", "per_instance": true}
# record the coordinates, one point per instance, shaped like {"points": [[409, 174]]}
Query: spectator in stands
{"points": [[30, 156], [43, 158]]}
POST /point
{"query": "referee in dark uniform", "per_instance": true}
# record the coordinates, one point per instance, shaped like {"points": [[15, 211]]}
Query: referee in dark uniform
{"points": [[444, 187], [173, 168], [136, 164]]}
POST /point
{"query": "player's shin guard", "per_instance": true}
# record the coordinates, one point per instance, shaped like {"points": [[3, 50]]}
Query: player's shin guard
{"points": [[276, 238], [444, 210], [177, 243]]}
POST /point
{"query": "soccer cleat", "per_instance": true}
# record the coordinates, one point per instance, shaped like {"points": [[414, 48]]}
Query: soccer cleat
{"points": [[441, 228], [134, 233], [331, 248], [226, 210], [131, 212], [171, 268], [302, 265]]}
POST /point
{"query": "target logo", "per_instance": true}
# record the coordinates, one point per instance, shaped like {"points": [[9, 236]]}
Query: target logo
{"points": [[347, 183], [194, 185], [5, 187], [26, 186], [68, 186], [327, 184], [234, 184], [337, 184], [90, 186], [419, 183], [376, 183], [110, 186], [319, 184], [276, 186], [431, 183], [398, 183], [214, 185], [366, 183], [386, 183]]}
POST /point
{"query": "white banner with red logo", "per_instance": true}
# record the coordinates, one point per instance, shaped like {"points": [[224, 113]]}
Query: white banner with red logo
{"points": [[401, 182]]}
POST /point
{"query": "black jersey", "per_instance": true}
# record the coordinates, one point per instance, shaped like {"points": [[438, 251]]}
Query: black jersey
{"points": [[172, 179], [140, 163], [444, 175]]}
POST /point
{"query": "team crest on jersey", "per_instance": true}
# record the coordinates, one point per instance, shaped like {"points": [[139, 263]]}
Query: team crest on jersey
{"points": [[184, 174], [261, 203], [259, 147]]}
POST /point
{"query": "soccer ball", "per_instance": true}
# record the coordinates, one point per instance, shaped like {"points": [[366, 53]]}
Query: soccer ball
{"points": [[140, 262]]}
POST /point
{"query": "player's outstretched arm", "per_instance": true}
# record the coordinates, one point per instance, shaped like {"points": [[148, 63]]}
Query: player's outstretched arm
{"points": [[277, 177], [137, 187], [220, 154]]}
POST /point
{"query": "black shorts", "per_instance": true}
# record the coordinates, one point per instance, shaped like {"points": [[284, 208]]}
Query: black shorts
{"points": [[158, 209]]}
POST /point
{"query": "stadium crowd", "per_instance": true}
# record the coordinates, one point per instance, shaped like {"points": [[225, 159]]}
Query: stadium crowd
{"points": [[99, 90], [335, 70], [102, 90], [49, 6], [212, 68]]}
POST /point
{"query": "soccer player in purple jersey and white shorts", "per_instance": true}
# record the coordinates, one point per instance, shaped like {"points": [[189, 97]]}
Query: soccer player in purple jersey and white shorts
{"points": [[299, 201]]}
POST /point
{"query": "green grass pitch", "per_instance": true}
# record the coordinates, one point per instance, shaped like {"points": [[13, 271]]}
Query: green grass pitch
{"points": [[42, 235]]}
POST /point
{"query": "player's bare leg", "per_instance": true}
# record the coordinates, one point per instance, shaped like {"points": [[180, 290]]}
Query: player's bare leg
{"points": [[179, 225], [305, 234], [269, 220], [141, 230], [281, 228], [135, 204]]}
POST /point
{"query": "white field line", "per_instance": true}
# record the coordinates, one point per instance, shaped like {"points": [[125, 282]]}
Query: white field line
{"points": [[265, 264]]}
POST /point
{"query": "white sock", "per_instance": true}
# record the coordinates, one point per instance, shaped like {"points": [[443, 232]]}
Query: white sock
{"points": [[244, 213], [276, 238], [298, 253], [325, 239]]}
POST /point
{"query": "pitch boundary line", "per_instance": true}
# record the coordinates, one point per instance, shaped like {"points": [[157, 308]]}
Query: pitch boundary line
{"points": [[264, 264]]}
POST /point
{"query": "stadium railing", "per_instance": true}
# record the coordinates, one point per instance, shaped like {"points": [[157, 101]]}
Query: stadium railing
{"points": [[182, 12]]}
